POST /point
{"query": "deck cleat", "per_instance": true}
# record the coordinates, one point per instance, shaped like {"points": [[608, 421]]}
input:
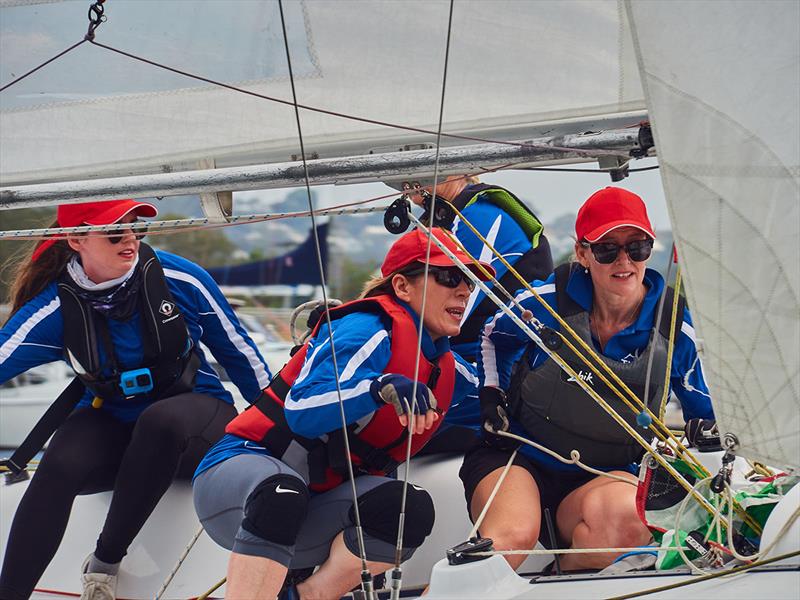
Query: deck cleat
{"points": [[464, 552]]}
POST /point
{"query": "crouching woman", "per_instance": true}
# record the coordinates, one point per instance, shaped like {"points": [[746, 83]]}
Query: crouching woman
{"points": [[275, 489]]}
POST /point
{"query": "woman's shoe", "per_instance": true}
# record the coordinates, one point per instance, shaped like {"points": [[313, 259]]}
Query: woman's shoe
{"points": [[97, 586]]}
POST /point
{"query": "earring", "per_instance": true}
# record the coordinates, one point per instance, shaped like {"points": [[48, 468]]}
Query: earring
{"points": [[586, 270]]}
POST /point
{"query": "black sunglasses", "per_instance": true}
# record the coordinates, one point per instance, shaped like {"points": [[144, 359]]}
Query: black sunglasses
{"points": [[118, 232], [450, 277], [606, 252]]}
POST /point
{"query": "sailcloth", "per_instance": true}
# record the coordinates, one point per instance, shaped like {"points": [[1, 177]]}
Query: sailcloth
{"points": [[515, 68], [722, 82]]}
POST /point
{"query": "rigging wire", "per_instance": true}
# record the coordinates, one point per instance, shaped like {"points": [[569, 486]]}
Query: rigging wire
{"points": [[659, 429], [564, 366], [91, 38], [44, 64], [397, 573], [366, 577], [570, 170]]}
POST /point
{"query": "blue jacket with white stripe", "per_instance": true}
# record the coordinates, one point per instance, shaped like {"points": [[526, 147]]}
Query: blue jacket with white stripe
{"points": [[503, 344], [34, 336], [363, 349]]}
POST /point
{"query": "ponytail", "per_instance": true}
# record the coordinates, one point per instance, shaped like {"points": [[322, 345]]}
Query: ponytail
{"points": [[32, 276]]}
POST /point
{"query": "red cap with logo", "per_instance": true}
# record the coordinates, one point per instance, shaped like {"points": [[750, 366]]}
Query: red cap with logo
{"points": [[95, 213], [609, 209], [413, 247]]}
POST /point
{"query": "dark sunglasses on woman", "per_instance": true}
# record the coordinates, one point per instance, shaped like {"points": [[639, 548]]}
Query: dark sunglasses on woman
{"points": [[606, 252], [116, 234], [450, 277]]}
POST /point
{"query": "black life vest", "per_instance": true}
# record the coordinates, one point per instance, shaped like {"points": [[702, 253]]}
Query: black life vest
{"points": [[376, 447], [536, 263], [559, 414], [167, 347]]}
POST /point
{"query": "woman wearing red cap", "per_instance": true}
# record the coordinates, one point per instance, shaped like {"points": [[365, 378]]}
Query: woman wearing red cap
{"points": [[147, 405], [274, 489], [610, 299]]}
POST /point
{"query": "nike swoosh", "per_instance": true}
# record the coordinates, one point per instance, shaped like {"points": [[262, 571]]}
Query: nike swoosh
{"points": [[280, 490], [252, 446]]}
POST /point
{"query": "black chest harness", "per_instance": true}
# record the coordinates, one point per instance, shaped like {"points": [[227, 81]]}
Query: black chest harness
{"points": [[169, 364], [558, 413]]}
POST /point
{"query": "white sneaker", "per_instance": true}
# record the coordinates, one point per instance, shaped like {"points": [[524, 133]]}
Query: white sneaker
{"points": [[97, 586]]}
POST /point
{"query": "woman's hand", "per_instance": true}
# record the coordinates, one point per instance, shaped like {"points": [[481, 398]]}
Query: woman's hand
{"points": [[397, 390]]}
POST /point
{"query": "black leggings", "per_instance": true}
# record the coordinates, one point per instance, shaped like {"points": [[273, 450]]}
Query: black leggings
{"points": [[93, 452]]}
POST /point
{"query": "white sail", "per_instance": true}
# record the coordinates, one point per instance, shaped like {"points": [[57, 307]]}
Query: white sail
{"points": [[722, 81], [515, 68]]}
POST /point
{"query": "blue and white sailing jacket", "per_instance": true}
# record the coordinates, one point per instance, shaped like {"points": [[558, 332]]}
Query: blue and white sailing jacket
{"points": [[34, 336], [363, 350]]}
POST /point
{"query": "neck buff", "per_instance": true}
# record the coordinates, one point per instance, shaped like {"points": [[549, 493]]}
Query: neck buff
{"points": [[114, 299]]}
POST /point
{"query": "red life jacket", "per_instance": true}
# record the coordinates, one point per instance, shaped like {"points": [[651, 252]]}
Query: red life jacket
{"points": [[376, 448]]}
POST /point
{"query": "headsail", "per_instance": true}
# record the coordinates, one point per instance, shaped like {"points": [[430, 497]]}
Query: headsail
{"points": [[722, 81]]}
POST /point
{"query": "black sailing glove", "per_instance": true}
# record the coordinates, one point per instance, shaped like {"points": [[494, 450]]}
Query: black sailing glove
{"points": [[396, 390], [703, 434], [494, 417]]}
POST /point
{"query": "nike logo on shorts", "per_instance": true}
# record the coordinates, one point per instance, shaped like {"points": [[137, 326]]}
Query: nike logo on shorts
{"points": [[280, 490]]}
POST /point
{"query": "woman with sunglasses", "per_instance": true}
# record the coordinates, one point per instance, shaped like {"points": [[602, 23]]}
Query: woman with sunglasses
{"points": [[275, 489], [148, 406], [610, 299]]}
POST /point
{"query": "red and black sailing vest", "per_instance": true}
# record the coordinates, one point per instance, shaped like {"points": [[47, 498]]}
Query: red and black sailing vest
{"points": [[376, 448]]}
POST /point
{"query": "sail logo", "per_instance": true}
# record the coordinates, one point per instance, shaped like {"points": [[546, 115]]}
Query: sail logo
{"points": [[587, 377], [166, 308]]}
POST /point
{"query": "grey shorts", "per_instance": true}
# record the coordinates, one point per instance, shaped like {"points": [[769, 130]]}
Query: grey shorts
{"points": [[220, 494]]}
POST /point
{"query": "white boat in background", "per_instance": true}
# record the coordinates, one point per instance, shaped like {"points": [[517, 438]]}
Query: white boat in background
{"points": [[712, 88]]}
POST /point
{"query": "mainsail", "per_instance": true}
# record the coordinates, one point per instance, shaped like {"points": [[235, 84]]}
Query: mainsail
{"points": [[722, 82], [516, 70]]}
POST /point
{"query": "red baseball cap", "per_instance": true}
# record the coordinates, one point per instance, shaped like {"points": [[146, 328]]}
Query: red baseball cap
{"points": [[101, 213], [413, 247], [94, 213], [609, 209]]}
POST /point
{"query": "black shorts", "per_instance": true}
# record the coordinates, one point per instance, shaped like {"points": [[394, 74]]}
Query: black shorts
{"points": [[553, 486]]}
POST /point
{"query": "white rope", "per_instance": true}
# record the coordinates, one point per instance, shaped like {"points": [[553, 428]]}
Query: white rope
{"points": [[155, 227], [538, 552], [575, 458], [178, 565], [489, 501]]}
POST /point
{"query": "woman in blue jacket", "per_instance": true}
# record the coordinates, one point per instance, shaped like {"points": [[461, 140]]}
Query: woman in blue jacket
{"points": [[610, 299], [274, 489], [128, 320]]}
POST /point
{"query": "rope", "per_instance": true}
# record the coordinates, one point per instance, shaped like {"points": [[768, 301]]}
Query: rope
{"points": [[723, 573], [670, 345], [538, 552], [473, 532], [366, 578], [585, 153], [575, 458], [213, 589], [564, 366], [398, 553], [178, 565], [190, 224], [659, 429]]}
